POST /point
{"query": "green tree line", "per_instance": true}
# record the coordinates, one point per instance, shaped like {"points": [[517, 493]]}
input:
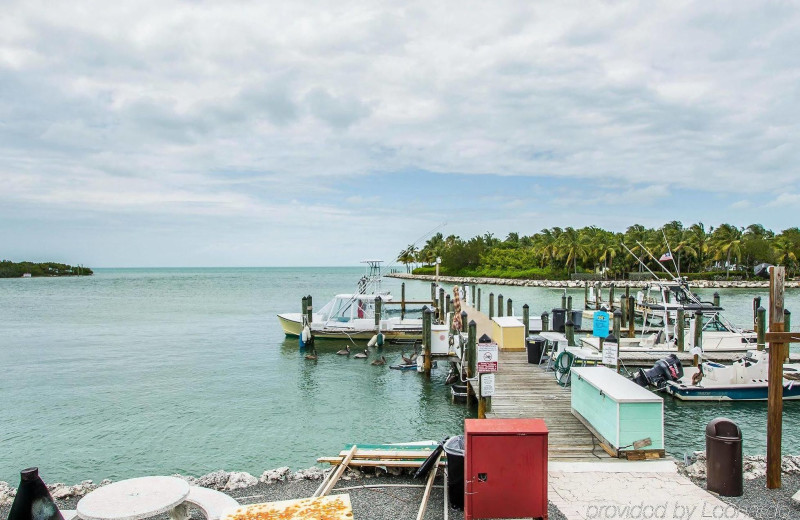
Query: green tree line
{"points": [[9, 269], [557, 252]]}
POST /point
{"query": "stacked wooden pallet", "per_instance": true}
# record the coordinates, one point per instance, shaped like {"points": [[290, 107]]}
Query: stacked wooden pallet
{"points": [[388, 455]]}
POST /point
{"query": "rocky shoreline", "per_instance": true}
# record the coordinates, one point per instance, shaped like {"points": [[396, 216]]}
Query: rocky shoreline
{"points": [[578, 284]]}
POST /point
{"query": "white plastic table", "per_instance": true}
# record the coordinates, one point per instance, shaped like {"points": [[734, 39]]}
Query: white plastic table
{"points": [[133, 499]]}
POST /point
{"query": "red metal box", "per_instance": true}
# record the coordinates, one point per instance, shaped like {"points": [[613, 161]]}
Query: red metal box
{"points": [[505, 471]]}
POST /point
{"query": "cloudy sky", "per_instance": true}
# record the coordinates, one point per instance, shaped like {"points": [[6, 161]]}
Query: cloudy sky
{"points": [[155, 133]]}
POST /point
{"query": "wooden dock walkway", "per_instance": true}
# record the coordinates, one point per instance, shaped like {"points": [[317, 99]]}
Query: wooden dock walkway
{"points": [[525, 390]]}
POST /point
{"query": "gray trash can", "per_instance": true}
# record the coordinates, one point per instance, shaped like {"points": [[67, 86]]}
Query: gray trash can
{"points": [[724, 458], [535, 346], [559, 319], [577, 319], [454, 448]]}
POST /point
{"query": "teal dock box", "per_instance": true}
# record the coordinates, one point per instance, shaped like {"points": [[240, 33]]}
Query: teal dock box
{"points": [[626, 418]]}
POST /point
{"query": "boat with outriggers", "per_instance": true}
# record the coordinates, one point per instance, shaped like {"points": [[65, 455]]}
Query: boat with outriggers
{"points": [[353, 315]]}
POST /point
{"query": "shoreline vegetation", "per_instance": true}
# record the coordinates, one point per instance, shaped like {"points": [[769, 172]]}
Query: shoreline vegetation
{"points": [[9, 269], [726, 252], [576, 284]]}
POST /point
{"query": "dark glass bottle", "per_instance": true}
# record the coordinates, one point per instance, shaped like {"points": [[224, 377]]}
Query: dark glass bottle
{"points": [[33, 501]]}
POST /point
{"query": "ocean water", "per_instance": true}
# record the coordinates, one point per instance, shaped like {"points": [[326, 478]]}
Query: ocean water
{"points": [[133, 372]]}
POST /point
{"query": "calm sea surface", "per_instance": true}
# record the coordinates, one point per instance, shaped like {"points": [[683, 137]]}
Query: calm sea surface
{"points": [[133, 372]]}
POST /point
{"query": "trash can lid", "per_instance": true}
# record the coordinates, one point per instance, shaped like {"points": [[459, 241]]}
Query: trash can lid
{"points": [[455, 445], [723, 427], [536, 338]]}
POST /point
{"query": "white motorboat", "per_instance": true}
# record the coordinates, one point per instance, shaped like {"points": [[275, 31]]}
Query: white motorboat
{"points": [[744, 380], [352, 315]]}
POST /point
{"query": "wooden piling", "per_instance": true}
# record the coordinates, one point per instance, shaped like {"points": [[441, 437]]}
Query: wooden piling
{"points": [[698, 334], [526, 320], [304, 307], [623, 306], [499, 305], [586, 295], [433, 292], [427, 317], [564, 300], [442, 308], [761, 328], [569, 303], [403, 301], [478, 300], [680, 332], [616, 331], [597, 296], [378, 303], [756, 305], [569, 330], [463, 321], [775, 378], [472, 349], [491, 306], [611, 302], [472, 300], [509, 308], [631, 317], [448, 304], [545, 322], [716, 299], [787, 326], [309, 309]]}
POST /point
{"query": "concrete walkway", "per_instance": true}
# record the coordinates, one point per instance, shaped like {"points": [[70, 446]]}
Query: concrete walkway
{"points": [[631, 491]]}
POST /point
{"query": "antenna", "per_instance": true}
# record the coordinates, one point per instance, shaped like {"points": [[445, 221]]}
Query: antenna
{"points": [[670, 252], [656, 260], [639, 260]]}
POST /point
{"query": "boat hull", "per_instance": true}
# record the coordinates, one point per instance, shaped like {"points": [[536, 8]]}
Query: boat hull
{"points": [[292, 326], [729, 392]]}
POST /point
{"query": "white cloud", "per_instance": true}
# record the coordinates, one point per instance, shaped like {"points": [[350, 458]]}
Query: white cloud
{"points": [[240, 108]]}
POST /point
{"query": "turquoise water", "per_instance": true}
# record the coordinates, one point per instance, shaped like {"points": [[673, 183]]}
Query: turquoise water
{"points": [[155, 371]]}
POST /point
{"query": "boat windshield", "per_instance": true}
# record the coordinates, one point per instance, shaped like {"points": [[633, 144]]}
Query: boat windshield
{"points": [[344, 309], [714, 324]]}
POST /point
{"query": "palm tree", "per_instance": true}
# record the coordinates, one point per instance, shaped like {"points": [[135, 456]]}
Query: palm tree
{"points": [[408, 256], [727, 240], [572, 247]]}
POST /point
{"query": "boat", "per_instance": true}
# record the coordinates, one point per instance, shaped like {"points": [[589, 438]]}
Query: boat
{"points": [[718, 335], [744, 380], [352, 315]]}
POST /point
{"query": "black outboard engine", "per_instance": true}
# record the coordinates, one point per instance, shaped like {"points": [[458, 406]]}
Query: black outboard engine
{"points": [[667, 369]]}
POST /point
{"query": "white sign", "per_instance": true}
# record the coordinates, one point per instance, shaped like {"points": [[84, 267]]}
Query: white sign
{"points": [[487, 385], [487, 357], [610, 354]]}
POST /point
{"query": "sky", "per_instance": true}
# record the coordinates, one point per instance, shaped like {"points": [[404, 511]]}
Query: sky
{"points": [[200, 133]]}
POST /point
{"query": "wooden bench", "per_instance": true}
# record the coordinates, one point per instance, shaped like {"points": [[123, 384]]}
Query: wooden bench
{"points": [[210, 502]]}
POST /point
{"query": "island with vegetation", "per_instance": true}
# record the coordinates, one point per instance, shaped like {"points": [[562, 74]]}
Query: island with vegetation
{"points": [[9, 269], [724, 252]]}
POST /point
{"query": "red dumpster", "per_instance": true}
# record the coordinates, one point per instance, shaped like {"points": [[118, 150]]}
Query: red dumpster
{"points": [[506, 468]]}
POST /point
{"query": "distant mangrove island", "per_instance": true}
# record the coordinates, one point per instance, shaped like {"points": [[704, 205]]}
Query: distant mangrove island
{"points": [[724, 252], [9, 269]]}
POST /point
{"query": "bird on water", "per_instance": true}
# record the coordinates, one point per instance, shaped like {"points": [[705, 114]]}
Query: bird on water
{"points": [[344, 351], [362, 355], [312, 356], [378, 362]]}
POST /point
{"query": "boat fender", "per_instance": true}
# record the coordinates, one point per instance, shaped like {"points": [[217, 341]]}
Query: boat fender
{"points": [[372, 341], [380, 339], [306, 334]]}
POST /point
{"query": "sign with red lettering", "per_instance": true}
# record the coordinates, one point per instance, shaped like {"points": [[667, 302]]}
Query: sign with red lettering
{"points": [[487, 358]]}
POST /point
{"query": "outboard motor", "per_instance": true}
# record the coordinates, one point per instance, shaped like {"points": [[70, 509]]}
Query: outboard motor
{"points": [[667, 369]]}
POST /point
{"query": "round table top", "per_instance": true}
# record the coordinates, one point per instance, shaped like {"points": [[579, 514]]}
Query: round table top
{"points": [[133, 499]]}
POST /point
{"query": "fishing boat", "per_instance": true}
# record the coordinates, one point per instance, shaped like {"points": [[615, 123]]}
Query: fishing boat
{"points": [[718, 335], [744, 380], [353, 315]]}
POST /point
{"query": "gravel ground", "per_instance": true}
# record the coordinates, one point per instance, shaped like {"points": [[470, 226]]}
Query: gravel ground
{"points": [[766, 504], [387, 503]]}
